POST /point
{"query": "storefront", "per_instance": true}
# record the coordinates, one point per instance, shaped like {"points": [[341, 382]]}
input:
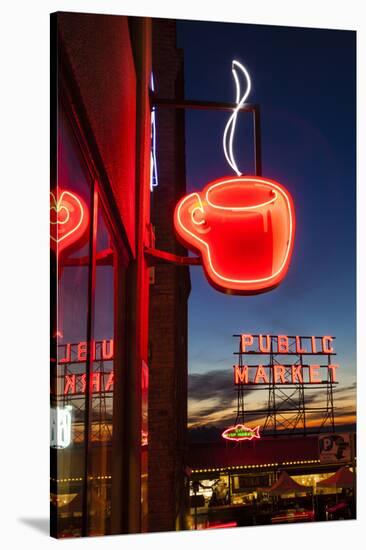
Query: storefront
{"points": [[103, 356], [236, 483], [124, 232]]}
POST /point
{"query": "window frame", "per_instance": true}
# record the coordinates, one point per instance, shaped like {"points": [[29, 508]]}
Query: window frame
{"points": [[66, 96]]}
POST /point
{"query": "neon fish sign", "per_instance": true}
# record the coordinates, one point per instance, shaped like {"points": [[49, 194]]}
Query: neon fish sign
{"points": [[243, 227], [241, 433]]}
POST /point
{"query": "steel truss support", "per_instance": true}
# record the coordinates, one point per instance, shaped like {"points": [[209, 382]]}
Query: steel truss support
{"points": [[292, 407]]}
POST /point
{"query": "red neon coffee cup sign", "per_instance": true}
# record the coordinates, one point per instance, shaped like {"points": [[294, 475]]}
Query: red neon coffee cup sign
{"points": [[243, 226]]}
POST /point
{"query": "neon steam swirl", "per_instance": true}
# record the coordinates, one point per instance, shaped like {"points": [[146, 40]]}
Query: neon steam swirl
{"points": [[229, 131]]}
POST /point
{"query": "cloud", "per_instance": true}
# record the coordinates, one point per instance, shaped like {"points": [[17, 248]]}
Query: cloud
{"points": [[211, 384], [347, 389], [212, 400]]}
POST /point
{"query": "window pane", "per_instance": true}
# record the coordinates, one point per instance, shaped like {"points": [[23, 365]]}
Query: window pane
{"points": [[70, 228], [102, 397]]}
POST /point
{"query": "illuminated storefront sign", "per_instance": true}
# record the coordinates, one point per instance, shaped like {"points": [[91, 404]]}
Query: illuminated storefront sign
{"points": [[76, 383], [69, 219], [241, 433], [282, 374], [283, 344], [243, 227], [77, 352], [60, 427], [276, 373], [244, 230], [334, 448], [153, 164]]}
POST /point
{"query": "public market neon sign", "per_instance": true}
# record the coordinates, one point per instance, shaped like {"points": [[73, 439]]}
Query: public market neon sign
{"points": [[285, 374], [102, 350], [73, 353], [243, 227], [75, 384]]}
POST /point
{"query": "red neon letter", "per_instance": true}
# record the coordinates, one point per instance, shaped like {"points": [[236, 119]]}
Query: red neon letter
{"points": [[282, 343], [327, 349], [314, 374], [105, 354], [279, 374], [83, 383], [296, 374], [260, 374], [267, 347], [299, 349], [82, 348], [246, 340], [240, 374], [332, 369], [243, 227], [93, 349], [95, 382], [110, 381], [70, 381], [67, 357]]}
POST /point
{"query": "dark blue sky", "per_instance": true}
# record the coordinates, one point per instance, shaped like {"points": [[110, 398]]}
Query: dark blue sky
{"points": [[304, 81]]}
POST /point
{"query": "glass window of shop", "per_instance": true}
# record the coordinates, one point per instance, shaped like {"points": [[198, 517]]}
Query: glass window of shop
{"points": [[87, 264]]}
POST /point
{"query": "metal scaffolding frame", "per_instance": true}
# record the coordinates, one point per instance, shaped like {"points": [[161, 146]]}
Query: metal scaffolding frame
{"points": [[289, 408]]}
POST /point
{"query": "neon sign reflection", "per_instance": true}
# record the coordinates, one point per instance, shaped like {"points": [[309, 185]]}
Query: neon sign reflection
{"points": [[69, 219]]}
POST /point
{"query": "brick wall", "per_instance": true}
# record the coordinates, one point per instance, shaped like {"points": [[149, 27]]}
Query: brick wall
{"points": [[168, 299], [99, 53]]}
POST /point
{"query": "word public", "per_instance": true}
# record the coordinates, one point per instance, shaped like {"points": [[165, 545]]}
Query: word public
{"points": [[265, 343], [276, 373], [78, 353]]}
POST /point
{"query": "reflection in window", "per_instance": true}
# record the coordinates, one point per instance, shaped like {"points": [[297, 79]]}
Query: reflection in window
{"points": [[80, 340], [102, 375]]}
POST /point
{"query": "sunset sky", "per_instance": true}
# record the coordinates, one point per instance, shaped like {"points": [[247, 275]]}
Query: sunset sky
{"points": [[304, 81]]}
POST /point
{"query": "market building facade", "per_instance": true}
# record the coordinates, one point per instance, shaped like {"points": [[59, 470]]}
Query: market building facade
{"points": [[281, 479], [120, 283], [117, 442]]}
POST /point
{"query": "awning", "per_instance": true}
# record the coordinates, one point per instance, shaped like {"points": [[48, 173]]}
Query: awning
{"points": [[285, 484], [343, 478]]}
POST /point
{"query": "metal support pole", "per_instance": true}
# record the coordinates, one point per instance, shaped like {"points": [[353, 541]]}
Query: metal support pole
{"points": [[89, 361], [257, 141], [219, 106], [156, 255]]}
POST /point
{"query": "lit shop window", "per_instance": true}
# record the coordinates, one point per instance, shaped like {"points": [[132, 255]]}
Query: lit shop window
{"points": [[60, 427], [100, 484], [83, 331], [70, 207]]}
